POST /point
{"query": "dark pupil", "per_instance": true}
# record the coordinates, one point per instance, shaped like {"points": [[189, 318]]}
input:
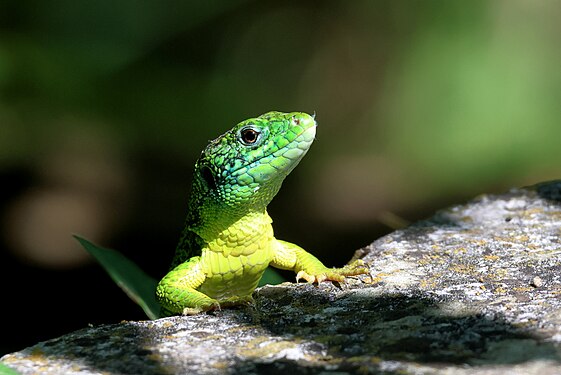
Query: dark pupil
{"points": [[249, 136]]}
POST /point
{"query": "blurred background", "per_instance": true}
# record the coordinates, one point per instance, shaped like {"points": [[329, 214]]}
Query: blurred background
{"points": [[105, 106]]}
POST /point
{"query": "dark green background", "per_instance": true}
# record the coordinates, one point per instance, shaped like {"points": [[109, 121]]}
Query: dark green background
{"points": [[105, 106]]}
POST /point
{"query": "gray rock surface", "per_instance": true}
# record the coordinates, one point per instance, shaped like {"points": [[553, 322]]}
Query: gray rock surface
{"points": [[476, 289]]}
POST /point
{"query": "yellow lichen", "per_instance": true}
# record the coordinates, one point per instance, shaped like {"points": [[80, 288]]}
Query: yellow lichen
{"points": [[462, 268], [263, 346]]}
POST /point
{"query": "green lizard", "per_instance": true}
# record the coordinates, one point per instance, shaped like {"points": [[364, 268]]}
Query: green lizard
{"points": [[228, 239]]}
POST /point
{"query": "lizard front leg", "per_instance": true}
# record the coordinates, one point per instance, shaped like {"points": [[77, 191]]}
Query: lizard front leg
{"points": [[289, 256], [177, 293]]}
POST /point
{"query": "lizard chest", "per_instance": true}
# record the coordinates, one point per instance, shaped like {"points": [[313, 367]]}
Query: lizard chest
{"points": [[235, 262], [233, 276]]}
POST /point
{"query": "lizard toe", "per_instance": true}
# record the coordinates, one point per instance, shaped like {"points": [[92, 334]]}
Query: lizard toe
{"points": [[303, 275]]}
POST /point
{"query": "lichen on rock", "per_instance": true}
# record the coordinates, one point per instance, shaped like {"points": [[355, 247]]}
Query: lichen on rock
{"points": [[474, 289]]}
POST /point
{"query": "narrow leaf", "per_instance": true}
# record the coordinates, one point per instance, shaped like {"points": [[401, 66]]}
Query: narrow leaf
{"points": [[5, 370], [135, 282], [271, 277]]}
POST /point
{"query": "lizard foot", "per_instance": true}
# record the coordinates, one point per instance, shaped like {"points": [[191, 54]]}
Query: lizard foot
{"points": [[212, 305], [358, 267], [238, 301]]}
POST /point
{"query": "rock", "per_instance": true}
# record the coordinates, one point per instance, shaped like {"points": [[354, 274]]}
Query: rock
{"points": [[476, 289]]}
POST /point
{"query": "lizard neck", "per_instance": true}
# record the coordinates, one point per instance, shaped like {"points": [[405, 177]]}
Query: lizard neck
{"points": [[213, 217]]}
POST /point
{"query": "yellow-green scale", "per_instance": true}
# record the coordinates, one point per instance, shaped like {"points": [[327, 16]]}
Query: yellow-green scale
{"points": [[228, 240], [235, 260]]}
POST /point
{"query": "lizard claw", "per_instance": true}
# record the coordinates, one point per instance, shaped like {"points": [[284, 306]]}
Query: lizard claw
{"points": [[358, 267], [305, 276]]}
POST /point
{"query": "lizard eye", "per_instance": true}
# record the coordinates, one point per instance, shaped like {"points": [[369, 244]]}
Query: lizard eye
{"points": [[249, 136]]}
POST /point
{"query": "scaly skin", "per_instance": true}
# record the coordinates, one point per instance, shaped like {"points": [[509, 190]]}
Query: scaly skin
{"points": [[228, 239]]}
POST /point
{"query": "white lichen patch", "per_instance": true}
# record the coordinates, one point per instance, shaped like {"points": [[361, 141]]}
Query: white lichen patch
{"points": [[474, 290]]}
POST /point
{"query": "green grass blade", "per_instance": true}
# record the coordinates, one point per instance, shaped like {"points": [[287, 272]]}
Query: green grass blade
{"points": [[135, 282], [271, 277], [5, 370]]}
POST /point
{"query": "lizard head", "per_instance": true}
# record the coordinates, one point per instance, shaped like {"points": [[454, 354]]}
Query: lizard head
{"points": [[248, 164]]}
